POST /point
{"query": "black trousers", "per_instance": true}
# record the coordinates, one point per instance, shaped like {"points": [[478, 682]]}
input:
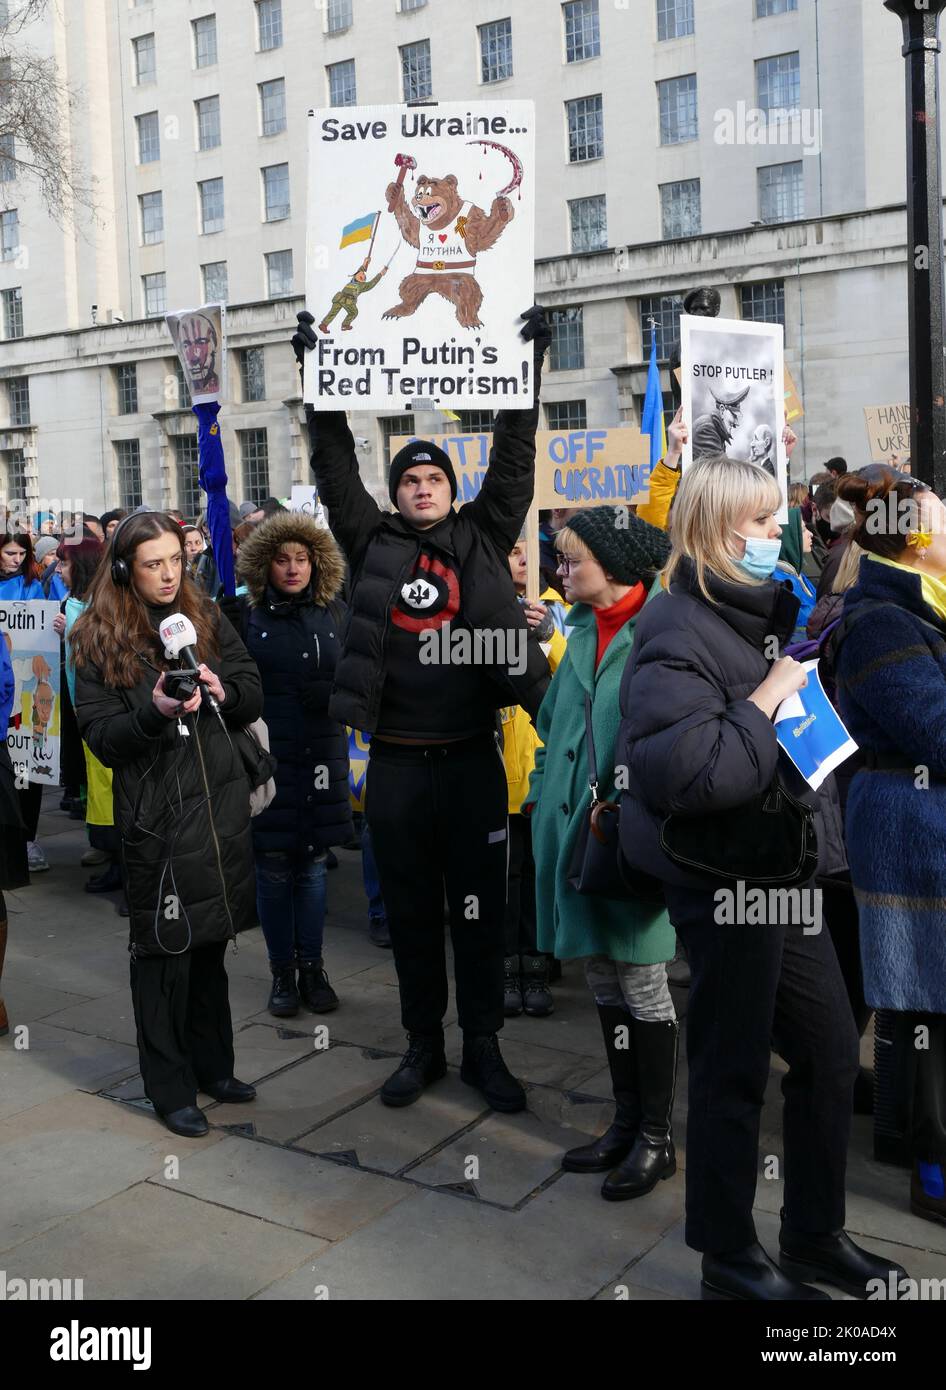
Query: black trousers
{"points": [[755, 988], [521, 925], [182, 1013], [437, 816], [31, 803]]}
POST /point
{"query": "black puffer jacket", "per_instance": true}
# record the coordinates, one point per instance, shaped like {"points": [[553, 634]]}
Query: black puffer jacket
{"points": [[296, 643], [182, 805], [693, 743], [382, 549]]}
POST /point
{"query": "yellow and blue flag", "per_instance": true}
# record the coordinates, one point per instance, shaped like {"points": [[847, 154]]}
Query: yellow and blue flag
{"points": [[652, 417], [360, 230]]}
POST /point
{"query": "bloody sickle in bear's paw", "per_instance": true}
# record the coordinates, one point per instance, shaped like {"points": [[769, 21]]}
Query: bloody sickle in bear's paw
{"points": [[513, 158]]}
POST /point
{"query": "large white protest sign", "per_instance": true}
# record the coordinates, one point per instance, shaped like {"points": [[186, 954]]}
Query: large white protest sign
{"points": [[200, 337], [26, 626], [420, 256], [732, 375]]}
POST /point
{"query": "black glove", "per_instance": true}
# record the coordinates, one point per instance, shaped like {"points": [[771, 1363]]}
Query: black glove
{"points": [[536, 330], [545, 628], [303, 340]]}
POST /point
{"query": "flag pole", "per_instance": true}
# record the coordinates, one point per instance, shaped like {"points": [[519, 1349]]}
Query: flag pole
{"points": [[377, 224]]}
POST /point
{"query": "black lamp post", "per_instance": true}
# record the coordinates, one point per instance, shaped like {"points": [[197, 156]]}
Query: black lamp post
{"points": [[921, 49]]}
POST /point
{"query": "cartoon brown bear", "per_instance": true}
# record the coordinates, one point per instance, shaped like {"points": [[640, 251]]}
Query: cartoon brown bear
{"points": [[448, 235]]}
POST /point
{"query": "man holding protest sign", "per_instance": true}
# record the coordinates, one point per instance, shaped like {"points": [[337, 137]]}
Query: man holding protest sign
{"points": [[436, 798]]}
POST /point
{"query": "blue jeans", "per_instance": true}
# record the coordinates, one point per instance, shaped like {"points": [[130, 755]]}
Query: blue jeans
{"points": [[290, 901], [369, 871]]}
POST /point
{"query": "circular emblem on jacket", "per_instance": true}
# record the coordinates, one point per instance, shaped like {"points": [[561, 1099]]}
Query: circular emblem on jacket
{"points": [[429, 599]]}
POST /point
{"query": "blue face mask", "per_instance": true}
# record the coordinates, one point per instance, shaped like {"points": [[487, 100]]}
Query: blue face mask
{"points": [[761, 555]]}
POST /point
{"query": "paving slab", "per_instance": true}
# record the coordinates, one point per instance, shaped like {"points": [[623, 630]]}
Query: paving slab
{"points": [[57, 1062], [368, 1016], [28, 1001], [71, 1153], [298, 1098], [530, 1062], [390, 1139], [111, 1017], [151, 1242], [291, 1189], [80, 969]]}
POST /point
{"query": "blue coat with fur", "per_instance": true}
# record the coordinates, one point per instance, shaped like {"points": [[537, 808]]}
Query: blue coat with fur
{"points": [[891, 686]]}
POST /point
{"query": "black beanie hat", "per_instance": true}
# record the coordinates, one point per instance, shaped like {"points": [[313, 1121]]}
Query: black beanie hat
{"points": [[628, 552], [420, 451]]}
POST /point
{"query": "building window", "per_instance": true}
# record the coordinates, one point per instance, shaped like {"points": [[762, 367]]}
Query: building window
{"points": [[145, 67], [276, 192], [778, 83], [9, 234], [415, 71], [205, 41], [269, 24], [567, 415], [338, 16], [7, 157], [183, 385], [589, 222], [12, 302], [149, 138], [126, 379], [254, 455], [674, 19], [781, 192], [128, 453], [252, 374], [665, 310], [342, 90], [582, 30], [568, 339], [152, 218], [391, 427], [476, 421], [496, 50], [764, 302], [211, 206], [278, 273], [208, 123], [677, 100], [765, 8], [189, 499], [412, 5], [18, 395], [216, 287], [156, 294], [272, 101], [15, 460], [585, 129], [680, 209]]}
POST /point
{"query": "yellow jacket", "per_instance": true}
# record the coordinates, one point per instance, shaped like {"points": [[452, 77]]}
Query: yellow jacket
{"points": [[520, 739], [664, 482]]}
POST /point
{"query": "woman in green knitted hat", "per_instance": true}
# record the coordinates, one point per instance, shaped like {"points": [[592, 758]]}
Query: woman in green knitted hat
{"points": [[607, 560]]}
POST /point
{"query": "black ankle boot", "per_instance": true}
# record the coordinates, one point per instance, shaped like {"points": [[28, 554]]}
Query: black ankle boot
{"points": [[616, 1143], [835, 1259], [652, 1157], [284, 996], [423, 1062], [315, 992], [512, 992], [749, 1275], [536, 995], [484, 1068]]}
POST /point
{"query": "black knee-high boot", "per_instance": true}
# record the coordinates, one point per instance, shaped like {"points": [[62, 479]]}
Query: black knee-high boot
{"points": [[618, 1139], [652, 1156]]}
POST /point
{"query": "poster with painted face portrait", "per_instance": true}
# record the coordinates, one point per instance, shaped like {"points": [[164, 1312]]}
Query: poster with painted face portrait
{"points": [[200, 338], [420, 256], [732, 379], [32, 737]]}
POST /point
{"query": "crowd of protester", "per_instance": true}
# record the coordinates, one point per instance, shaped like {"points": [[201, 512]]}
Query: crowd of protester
{"points": [[646, 691]]}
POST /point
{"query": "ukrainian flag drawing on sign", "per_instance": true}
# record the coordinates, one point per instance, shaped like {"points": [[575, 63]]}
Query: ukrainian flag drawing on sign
{"points": [[361, 230]]}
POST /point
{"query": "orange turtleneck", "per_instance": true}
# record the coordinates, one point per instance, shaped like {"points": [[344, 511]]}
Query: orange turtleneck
{"points": [[611, 620]]}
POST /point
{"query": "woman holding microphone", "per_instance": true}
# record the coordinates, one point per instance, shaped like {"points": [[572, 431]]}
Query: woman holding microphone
{"points": [[181, 806]]}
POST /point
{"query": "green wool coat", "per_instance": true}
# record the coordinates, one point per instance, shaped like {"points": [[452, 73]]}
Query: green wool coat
{"points": [[572, 924]]}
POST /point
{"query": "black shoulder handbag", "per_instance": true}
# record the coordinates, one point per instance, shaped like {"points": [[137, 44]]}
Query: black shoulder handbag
{"points": [[595, 867]]}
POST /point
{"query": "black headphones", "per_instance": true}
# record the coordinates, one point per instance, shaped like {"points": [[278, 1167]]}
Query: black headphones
{"points": [[121, 574]]}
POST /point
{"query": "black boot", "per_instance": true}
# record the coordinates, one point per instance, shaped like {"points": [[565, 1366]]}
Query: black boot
{"points": [[750, 1276], [618, 1139], [928, 1191], [835, 1259], [536, 995], [483, 1067], [512, 993], [315, 992], [652, 1156], [423, 1062], [189, 1122], [108, 882], [284, 997]]}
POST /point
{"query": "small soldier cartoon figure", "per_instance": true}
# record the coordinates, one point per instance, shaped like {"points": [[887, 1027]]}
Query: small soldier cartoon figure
{"points": [[347, 298]]}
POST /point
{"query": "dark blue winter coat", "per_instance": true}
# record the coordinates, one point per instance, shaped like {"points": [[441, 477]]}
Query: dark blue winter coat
{"points": [[891, 690], [295, 642]]}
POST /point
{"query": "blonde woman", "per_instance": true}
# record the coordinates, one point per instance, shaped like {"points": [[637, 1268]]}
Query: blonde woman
{"points": [[697, 699]]}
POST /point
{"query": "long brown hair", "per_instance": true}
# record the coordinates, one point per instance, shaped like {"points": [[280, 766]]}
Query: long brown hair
{"points": [[115, 632], [886, 508]]}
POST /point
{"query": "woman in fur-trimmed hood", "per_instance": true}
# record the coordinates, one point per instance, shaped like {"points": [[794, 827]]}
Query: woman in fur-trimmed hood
{"points": [[291, 621]]}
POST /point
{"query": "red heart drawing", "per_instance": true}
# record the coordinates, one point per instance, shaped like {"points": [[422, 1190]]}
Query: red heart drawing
{"points": [[443, 237]]}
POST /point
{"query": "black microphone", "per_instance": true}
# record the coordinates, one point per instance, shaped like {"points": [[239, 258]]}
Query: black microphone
{"points": [[180, 641]]}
